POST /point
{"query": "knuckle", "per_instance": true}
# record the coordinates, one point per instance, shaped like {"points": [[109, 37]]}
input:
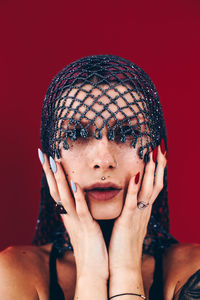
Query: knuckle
{"points": [[163, 161], [57, 176], [148, 195], [159, 186], [151, 165], [163, 164], [132, 208], [61, 178], [81, 213], [53, 193]]}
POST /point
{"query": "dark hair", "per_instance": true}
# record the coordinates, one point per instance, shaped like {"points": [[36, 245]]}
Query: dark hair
{"points": [[97, 70], [100, 70]]}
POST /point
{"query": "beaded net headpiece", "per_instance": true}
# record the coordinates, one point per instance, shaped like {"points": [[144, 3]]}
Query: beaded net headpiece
{"points": [[102, 87], [102, 91]]}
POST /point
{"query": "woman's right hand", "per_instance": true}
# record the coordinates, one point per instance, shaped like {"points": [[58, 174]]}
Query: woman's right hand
{"points": [[85, 233]]}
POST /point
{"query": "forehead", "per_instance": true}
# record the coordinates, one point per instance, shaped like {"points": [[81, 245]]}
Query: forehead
{"points": [[102, 103]]}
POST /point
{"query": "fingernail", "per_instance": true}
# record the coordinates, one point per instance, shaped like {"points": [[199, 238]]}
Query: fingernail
{"points": [[162, 146], [137, 177], [73, 186], [52, 164], [155, 153], [41, 156]]}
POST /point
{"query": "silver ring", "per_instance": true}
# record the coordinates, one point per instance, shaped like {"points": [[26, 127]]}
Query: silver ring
{"points": [[142, 205], [103, 178], [60, 208]]}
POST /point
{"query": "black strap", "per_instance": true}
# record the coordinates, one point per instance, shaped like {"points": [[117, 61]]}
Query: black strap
{"points": [[156, 290], [191, 289], [55, 290]]}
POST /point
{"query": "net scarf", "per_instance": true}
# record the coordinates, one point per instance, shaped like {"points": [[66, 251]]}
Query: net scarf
{"points": [[105, 87]]}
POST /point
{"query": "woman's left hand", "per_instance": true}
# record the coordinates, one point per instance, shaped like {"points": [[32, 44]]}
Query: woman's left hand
{"points": [[130, 228]]}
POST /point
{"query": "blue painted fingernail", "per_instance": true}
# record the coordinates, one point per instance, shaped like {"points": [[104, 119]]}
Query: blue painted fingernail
{"points": [[52, 164], [73, 186], [41, 156]]}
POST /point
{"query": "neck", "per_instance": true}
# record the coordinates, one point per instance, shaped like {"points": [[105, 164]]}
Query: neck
{"points": [[106, 228]]}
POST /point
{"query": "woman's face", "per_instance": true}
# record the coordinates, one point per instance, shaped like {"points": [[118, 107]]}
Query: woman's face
{"points": [[88, 160]]}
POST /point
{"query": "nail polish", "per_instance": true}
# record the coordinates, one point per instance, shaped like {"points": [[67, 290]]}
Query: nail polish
{"points": [[41, 156], [73, 186], [137, 178], [52, 164], [162, 146], [155, 153]]}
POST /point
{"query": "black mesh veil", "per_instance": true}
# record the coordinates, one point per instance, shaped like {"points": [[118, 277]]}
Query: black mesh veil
{"points": [[119, 93]]}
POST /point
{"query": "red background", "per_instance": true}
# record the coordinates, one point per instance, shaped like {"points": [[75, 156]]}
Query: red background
{"points": [[38, 38]]}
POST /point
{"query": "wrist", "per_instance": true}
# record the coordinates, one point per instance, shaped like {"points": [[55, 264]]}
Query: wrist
{"points": [[92, 274], [125, 276], [91, 287], [91, 277], [126, 269], [122, 281], [130, 263]]}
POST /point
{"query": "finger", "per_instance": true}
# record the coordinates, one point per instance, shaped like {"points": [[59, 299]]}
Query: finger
{"points": [[147, 182], [53, 189], [64, 190], [81, 205], [159, 176], [131, 198]]}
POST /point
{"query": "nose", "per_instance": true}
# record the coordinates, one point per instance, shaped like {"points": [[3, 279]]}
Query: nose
{"points": [[102, 156]]}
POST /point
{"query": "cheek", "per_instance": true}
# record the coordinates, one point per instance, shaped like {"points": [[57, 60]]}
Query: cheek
{"points": [[131, 162], [70, 160]]}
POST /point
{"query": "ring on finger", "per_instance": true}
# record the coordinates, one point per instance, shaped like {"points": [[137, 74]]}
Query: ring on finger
{"points": [[142, 205], [60, 208]]}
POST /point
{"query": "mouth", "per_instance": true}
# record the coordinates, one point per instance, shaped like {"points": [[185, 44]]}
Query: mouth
{"points": [[103, 192]]}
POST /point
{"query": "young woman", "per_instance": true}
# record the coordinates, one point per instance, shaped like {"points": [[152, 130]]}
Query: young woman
{"points": [[103, 228]]}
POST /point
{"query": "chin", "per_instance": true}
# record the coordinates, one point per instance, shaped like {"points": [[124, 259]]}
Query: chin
{"points": [[105, 211]]}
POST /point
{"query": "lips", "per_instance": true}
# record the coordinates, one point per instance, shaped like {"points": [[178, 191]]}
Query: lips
{"points": [[101, 191]]}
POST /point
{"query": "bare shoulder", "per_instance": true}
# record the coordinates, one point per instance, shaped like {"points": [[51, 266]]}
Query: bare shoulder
{"points": [[25, 258], [22, 271], [26, 252], [180, 262]]}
